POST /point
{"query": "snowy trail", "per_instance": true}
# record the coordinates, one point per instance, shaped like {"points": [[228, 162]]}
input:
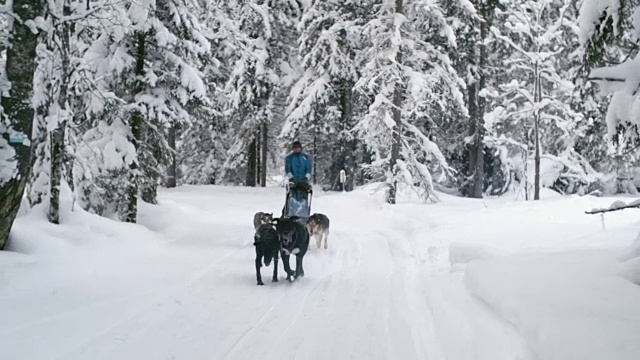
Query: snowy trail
{"points": [[367, 297], [383, 290]]}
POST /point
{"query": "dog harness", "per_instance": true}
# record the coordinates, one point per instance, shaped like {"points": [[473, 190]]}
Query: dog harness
{"points": [[295, 251], [287, 239]]}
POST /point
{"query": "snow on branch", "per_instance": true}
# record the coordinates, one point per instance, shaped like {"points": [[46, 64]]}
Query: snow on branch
{"points": [[615, 206], [591, 18]]}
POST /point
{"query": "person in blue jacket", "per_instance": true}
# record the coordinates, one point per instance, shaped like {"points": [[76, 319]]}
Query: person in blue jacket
{"points": [[297, 165]]}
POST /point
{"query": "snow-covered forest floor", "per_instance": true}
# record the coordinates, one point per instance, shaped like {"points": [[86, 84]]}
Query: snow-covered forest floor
{"points": [[463, 279]]}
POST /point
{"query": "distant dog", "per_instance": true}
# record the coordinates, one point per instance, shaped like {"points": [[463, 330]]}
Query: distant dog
{"points": [[318, 226], [261, 218], [267, 243], [295, 240]]}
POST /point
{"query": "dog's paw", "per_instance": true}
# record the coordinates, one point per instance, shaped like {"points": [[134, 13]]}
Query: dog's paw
{"points": [[274, 280], [260, 283]]}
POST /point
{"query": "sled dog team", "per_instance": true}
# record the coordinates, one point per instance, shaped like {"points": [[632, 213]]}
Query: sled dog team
{"points": [[284, 237]]}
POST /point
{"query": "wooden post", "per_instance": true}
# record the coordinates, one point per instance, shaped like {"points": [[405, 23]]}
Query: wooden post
{"points": [[343, 179]]}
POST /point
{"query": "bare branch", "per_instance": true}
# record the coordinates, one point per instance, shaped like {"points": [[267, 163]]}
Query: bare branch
{"points": [[606, 79], [600, 211]]}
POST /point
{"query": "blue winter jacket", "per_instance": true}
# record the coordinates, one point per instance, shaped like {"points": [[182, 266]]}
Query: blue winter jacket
{"points": [[298, 166]]}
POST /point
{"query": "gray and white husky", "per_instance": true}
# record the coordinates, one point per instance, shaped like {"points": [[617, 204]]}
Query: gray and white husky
{"points": [[262, 218], [318, 226]]}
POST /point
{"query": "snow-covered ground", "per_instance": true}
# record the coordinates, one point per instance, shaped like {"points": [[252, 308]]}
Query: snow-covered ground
{"points": [[463, 279]]}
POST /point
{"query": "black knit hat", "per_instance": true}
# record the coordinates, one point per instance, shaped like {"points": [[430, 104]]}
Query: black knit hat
{"points": [[296, 144]]}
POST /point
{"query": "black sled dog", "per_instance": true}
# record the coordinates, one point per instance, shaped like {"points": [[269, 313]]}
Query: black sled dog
{"points": [[295, 241], [267, 244]]}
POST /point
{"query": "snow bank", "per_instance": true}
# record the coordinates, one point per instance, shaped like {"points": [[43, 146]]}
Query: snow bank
{"points": [[181, 283], [78, 231], [568, 305], [62, 285], [464, 253], [630, 268]]}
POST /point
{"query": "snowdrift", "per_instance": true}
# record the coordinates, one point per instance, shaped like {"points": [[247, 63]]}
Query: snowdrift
{"points": [[567, 305], [460, 279]]}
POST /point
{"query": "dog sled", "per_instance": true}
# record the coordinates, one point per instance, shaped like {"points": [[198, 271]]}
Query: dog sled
{"points": [[298, 200]]}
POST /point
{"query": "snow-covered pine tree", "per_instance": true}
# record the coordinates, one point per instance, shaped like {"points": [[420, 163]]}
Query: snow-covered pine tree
{"points": [[149, 65], [322, 105], [408, 73], [471, 21], [614, 26], [536, 111], [203, 143], [259, 83], [56, 57], [16, 113], [201, 151], [104, 151], [590, 144], [562, 134], [588, 165], [610, 32], [183, 81]]}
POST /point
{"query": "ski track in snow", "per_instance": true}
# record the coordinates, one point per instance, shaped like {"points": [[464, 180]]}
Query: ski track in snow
{"points": [[378, 292]]}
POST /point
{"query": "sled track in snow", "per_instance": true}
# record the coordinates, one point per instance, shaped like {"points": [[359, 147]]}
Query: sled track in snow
{"points": [[378, 292], [318, 282]]}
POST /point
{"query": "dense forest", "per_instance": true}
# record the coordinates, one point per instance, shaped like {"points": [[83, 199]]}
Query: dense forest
{"points": [[469, 97]]}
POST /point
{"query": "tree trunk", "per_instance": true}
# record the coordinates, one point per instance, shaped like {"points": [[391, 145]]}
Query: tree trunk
{"points": [[477, 61], [264, 148], [349, 148], [57, 161], [397, 129], [171, 170], [480, 131], [58, 134], [474, 148], [151, 151], [315, 150], [137, 121], [251, 165], [474, 111], [68, 160], [150, 192], [258, 145], [15, 140], [40, 155], [395, 144], [537, 98]]}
